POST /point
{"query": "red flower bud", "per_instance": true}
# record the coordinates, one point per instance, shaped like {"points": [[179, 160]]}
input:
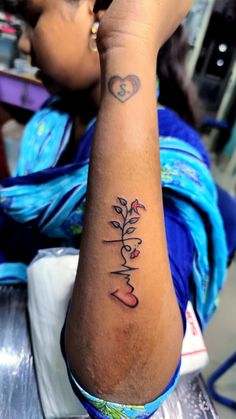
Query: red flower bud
{"points": [[135, 206], [134, 254]]}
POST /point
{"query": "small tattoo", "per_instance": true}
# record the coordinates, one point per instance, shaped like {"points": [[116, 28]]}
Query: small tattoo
{"points": [[129, 215], [124, 88]]}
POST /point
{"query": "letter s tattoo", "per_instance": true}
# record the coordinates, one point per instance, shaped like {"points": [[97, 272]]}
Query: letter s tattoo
{"points": [[124, 88]]}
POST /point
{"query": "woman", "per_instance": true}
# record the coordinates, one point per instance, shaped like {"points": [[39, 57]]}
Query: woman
{"points": [[136, 260]]}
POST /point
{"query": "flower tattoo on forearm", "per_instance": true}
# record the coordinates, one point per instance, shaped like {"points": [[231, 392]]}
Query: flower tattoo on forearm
{"points": [[129, 215], [124, 88]]}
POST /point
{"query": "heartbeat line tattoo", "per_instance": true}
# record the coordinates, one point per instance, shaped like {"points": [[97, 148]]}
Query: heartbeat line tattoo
{"points": [[124, 88], [129, 215]]}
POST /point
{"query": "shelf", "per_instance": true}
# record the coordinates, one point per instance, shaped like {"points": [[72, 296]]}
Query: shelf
{"points": [[23, 91]]}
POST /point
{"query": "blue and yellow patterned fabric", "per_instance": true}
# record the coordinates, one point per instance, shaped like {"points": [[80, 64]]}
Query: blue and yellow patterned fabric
{"points": [[44, 202], [187, 181], [100, 409], [43, 206]]}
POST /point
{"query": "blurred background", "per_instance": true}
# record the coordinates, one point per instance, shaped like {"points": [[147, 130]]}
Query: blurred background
{"points": [[211, 63]]}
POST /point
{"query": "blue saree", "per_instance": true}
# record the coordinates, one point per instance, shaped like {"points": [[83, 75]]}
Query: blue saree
{"points": [[43, 204]]}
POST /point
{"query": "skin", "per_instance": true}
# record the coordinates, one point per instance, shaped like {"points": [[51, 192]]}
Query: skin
{"points": [[122, 354], [72, 66]]}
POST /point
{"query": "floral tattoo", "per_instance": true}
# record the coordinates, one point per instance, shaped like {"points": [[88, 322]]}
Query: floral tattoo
{"points": [[129, 215], [124, 88]]}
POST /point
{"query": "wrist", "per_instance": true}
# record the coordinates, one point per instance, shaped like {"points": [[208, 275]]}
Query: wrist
{"points": [[129, 45], [128, 87], [129, 74], [127, 59]]}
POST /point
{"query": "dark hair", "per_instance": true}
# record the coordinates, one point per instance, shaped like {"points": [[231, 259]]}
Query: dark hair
{"points": [[177, 90], [101, 5], [229, 11]]}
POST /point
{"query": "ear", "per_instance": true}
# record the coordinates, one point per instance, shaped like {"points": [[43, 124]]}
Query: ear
{"points": [[98, 8]]}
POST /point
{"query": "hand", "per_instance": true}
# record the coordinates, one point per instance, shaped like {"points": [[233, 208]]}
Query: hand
{"points": [[141, 23]]}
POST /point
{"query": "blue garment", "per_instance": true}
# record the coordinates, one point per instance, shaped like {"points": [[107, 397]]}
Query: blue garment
{"points": [[49, 202], [187, 181], [230, 146], [45, 139], [227, 205], [45, 201]]}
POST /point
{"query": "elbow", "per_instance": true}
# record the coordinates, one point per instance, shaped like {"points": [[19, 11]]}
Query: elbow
{"points": [[133, 366]]}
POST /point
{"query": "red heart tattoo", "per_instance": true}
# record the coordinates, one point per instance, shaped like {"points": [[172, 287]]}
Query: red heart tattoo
{"points": [[124, 88], [127, 298]]}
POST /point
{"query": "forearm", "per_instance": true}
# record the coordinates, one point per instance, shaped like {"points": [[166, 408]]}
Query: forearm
{"points": [[124, 320]]}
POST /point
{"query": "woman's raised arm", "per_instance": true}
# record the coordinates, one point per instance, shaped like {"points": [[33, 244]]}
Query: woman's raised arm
{"points": [[124, 330]]}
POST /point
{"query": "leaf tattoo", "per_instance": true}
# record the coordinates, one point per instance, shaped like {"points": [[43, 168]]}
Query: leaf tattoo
{"points": [[117, 209], [123, 202], [116, 224], [134, 220], [130, 230]]}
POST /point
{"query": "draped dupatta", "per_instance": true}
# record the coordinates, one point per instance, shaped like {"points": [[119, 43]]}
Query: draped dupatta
{"points": [[50, 198]]}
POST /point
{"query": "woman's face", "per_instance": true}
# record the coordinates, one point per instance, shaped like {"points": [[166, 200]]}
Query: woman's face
{"points": [[57, 35]]}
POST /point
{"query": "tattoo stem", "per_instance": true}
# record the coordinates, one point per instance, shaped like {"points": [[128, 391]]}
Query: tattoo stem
{"points": [[127, 297]]}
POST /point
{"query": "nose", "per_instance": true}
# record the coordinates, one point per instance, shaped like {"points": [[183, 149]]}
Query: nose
{"points": [[24, 43]]}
